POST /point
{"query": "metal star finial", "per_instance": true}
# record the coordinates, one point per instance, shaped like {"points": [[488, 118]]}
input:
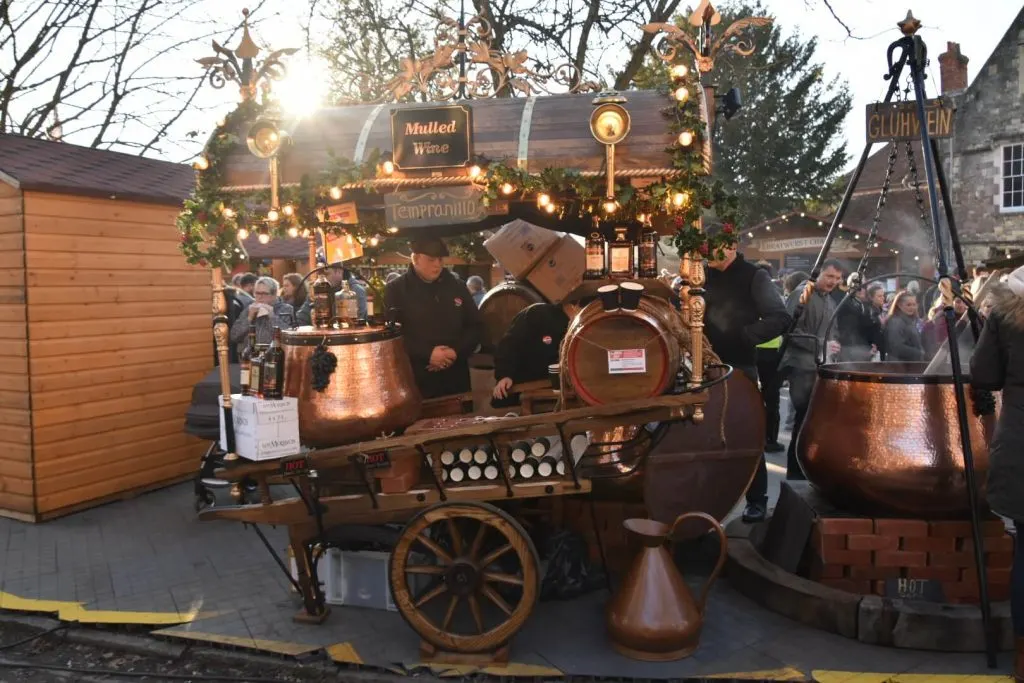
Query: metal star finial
{"points": [[247, 49], [705, 12]]}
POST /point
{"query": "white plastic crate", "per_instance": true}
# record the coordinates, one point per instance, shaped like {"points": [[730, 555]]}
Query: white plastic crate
{"points": [[358, 578]]}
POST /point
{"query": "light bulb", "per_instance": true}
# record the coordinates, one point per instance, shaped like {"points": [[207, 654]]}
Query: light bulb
{"points": [[228, 212], [392, 230], [682, 93], [287, 210], [264, 237], [305, 233], [242, 233], [475, 171], [374, 241], [686, 138], [201, 164], [388, 167], [610, 206], [679, 71], [507, 188], [272, 215], [550, 208], [680, 199], [543, 199], [750, 235], [335, 192], [293, 231]]}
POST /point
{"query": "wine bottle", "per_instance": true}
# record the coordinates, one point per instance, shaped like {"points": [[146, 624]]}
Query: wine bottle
{"points": [[255, 372], [540, 446], [648, 254], [597, 268], [465, 456], [621, 255], [474, 472], [322, 306], [546, 467], [272, 372], [347, 304], [481, 456], [457, 473], [526, 470], [447, 458], [519, 451], [491, 472], [245, 361], [560, 468]]}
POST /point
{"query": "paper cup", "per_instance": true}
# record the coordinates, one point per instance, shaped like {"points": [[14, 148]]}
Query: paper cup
{"points": [[630, 295], [609, 296]]}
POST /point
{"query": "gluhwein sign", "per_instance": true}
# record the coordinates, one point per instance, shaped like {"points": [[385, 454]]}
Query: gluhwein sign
{"points": [[899, 121], [432, 137]]}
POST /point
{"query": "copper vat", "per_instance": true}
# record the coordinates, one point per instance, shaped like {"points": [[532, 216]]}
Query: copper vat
{"points": [[371, 391], [883, 438]]}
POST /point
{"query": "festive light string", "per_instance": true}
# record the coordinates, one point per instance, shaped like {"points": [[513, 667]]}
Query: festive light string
{"points": [[215, 217]]}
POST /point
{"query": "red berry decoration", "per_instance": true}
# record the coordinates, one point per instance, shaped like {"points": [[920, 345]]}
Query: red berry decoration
{"points": [[727, 228], [706, 203]]}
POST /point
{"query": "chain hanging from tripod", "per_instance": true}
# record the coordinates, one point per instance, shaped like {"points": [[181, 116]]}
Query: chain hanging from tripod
{"points": [[882, 197], [915, 180]]}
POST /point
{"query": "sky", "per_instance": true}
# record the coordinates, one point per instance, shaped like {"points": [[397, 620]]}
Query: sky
{"points": [[860, 60]]}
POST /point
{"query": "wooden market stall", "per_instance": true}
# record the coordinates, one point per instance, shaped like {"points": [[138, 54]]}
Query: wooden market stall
{"points": [[103, 327]]}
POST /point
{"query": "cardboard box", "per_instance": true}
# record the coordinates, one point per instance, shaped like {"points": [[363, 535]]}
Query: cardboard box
{"points": [[264, 429], [560, 271], [519, 246]]}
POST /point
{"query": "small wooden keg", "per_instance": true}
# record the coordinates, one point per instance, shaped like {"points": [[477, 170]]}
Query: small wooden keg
{"points": [[621, 355], [499, 306]]}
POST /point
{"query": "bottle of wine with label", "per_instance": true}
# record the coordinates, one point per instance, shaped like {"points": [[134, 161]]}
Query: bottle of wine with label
{"points": [[346, 304], [245, 362], [272, 372], [256, 372], [322, 302]]}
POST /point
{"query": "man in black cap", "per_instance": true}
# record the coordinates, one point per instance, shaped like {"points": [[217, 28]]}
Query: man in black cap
{"points": [[440, 323]]}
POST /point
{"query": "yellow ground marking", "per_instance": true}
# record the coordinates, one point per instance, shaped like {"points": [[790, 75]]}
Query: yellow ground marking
{"points": [[278, 647], [344, 653], [67, 610], [787, 674], [858, 677]]}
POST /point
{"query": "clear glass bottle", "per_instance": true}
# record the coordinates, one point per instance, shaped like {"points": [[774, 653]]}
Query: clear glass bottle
{"points": [[597, 267], [620, 254], [648, 254], [346, 303]]}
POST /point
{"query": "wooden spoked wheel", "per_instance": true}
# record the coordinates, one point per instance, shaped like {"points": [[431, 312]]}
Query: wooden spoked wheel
{"points": [[464, 576]]}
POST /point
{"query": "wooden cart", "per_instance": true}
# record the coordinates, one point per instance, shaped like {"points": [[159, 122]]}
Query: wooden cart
{"points": [[458, 550]]}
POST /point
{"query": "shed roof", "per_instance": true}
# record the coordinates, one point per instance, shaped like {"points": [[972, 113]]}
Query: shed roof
{"points": [[63, 168]]}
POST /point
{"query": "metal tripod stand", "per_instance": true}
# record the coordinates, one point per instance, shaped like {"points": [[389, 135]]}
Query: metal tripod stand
{"points": [[911, 51]]}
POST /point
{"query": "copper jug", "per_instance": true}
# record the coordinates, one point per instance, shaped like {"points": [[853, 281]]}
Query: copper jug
{"points": [[653, 616]]}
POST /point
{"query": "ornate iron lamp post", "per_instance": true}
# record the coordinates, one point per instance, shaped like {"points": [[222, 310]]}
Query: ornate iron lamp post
{"points": [[225, 66]]}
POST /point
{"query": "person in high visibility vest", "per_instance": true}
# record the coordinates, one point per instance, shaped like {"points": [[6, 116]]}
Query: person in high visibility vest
{"points": [[771, 386]]}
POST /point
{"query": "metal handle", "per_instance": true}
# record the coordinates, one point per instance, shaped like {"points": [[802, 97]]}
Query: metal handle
{"points": [[723, 550]]}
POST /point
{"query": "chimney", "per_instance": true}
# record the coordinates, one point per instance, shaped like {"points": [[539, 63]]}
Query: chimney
{"points": [[953, 69]]}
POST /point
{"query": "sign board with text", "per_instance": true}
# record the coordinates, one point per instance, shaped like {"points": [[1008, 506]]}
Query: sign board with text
{"points": [[899, 121], [439, 206], [432, 137]]}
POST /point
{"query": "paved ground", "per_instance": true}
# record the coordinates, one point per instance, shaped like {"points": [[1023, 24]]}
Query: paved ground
{"points": [[148, 561]]}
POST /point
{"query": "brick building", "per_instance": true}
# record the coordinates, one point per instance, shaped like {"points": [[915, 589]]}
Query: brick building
{"points": [[985, 156]]}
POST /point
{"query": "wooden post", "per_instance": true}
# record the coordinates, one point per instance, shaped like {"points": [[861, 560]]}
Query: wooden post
{"points": [[220, 336]]}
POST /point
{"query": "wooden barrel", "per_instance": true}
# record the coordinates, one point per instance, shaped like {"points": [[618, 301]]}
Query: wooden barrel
{"points": [[499, 306], [648, 346]]}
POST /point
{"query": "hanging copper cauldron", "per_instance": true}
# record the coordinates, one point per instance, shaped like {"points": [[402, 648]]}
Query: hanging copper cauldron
{"points": [[371, 391], [882, 438]]}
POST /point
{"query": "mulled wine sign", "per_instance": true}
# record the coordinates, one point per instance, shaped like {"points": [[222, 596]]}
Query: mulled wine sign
{"points": [[439, 206], [431, 137], [899, 120]]}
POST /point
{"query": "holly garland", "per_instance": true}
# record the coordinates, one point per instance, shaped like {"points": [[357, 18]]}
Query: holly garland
{"points": [[214, 219]]}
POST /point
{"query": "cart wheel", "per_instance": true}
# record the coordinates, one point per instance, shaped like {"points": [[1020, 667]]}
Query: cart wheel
{"points": [[464, 576]]}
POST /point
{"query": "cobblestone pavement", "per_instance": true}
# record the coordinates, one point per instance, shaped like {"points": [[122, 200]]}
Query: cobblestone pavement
{"points": [[149, 561]]}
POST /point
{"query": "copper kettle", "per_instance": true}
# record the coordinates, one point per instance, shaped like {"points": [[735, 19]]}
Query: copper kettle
{"points": [[653, 617]]}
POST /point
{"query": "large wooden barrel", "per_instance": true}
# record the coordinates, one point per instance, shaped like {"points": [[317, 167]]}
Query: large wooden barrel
{"points": [[499, 306], [648, 336]]}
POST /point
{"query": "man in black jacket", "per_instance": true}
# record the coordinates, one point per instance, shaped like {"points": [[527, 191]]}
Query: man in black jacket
{"points": [[440, 324], [859, 333], [743, 310]]}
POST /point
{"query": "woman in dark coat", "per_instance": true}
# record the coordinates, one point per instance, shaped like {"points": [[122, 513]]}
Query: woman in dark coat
{"points": [[902, 340], [998, 364]]}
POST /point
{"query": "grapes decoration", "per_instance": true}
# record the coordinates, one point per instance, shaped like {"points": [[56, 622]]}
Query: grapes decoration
{"points": [[322, 363]]}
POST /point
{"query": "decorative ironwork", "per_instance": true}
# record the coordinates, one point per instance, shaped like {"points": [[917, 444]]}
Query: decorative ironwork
{"points": [[226, 66], [706, 47], [465, 66]]}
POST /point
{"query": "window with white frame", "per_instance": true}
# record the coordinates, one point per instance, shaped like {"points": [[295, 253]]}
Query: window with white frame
{"points": [[1013, 177]]}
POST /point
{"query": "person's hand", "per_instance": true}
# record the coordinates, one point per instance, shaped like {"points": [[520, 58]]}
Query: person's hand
{"points": [[502, 387], [439, 359], [449, 353], [833, 348], [254, 310]]}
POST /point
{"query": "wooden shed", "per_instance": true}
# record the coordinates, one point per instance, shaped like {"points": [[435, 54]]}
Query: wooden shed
{"points": [[104, 328]]}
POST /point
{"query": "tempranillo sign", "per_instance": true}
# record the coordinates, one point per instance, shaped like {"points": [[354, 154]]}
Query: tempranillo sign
{"points": [[431, 137]]}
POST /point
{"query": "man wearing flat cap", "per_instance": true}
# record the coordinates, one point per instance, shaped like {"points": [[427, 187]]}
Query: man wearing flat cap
{"points": [[440, 322]]}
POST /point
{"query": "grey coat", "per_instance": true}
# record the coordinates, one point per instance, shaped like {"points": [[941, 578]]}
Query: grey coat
{"points": [[998, 364], [283, 317], [902, 340], [800, 350]]}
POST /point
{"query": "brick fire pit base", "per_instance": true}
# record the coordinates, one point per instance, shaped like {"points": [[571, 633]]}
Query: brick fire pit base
{"points": [[896, 557]]}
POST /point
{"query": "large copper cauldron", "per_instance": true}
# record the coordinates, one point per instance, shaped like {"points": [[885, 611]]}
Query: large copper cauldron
{"points": [[371, 391], [882, 438]]}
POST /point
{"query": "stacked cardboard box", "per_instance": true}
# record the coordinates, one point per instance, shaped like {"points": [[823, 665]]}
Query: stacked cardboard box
{"points": [[551, 262]]}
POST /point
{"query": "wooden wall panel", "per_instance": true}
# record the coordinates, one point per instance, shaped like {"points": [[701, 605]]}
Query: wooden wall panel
{"points": [[119, 333], [16, 494]]}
